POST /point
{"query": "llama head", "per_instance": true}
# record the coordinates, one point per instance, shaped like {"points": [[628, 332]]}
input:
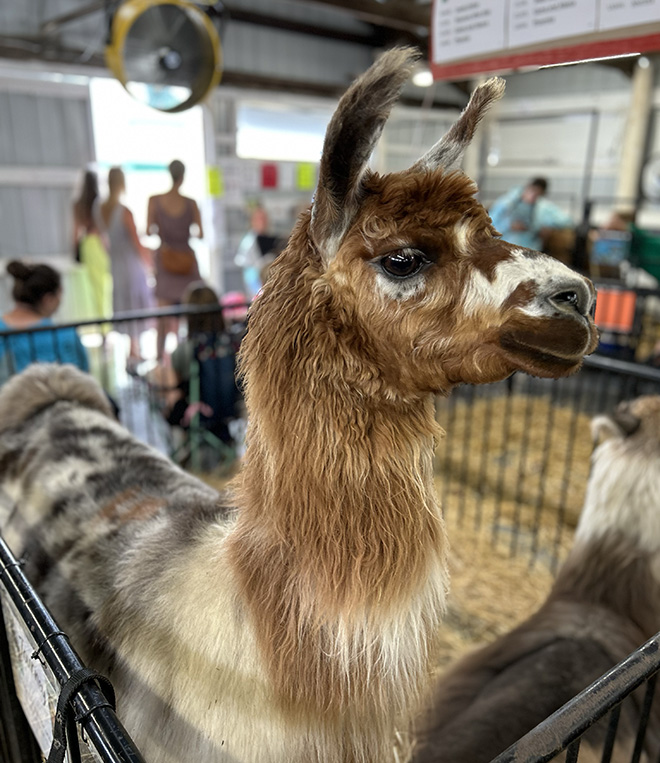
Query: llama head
{"points": [[624, 483], [417, 286]]}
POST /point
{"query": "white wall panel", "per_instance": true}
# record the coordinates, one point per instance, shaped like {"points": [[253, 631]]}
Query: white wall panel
{"points": [[45, 143], [41, 131]]}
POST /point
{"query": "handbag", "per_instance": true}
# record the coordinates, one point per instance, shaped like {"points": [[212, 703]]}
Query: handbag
{"points": [[177, 261]]}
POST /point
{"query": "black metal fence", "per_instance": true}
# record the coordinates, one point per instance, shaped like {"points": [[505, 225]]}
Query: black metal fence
{"points": [[142, 389], [56, 663], [516, 456], [604, 702], [515, 460]]}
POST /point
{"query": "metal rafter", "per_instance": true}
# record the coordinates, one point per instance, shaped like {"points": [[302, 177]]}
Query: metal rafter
{"points": [[402, 15]]}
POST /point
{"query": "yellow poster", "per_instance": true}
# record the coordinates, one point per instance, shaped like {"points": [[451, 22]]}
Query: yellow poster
{"points": [[215, 182], [306, 176]]}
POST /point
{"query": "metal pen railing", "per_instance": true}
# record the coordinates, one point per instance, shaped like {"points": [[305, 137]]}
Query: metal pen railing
{"points": [[98, 720], [564, 729]]}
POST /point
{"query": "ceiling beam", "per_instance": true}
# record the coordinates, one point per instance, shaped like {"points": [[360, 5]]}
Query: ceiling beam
{"points": [[402, 15], [26, 47], [52, 25], [252, 81], [33, 48], [279, 22], [408, 20]]}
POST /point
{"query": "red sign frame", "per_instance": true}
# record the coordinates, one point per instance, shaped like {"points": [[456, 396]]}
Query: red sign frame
{"points": [[547, 56]]}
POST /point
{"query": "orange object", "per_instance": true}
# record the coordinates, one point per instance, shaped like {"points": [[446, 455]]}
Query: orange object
{"points": [[615, 310]]}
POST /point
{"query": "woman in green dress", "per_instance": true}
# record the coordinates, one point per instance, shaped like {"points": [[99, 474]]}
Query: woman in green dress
{"points": [[91, 251]]}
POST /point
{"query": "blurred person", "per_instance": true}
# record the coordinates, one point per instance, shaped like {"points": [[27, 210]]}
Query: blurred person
{"points": [[197, 294], [37, 293], [525, 217], [235, 315], [620, 220], [129, 260], [256, 252], [172, 216], [208, 343], [90, 250]]}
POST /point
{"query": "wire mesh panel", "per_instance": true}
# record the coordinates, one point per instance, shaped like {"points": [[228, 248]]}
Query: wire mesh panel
{"points": [[516, 456]]}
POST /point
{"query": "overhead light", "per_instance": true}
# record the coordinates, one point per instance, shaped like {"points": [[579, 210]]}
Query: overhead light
{"points": [[422, 76], [589, 60], [643, 62]]}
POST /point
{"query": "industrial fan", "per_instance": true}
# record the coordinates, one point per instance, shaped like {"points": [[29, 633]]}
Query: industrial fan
{"points": [[166, 53]]}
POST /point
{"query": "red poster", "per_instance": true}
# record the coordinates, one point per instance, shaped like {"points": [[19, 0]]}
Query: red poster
{"points": [[269, 176]]}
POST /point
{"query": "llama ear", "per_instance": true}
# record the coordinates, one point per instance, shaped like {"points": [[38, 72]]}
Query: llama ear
{"points": [[621, 423], [349, 140], [448, 151]]}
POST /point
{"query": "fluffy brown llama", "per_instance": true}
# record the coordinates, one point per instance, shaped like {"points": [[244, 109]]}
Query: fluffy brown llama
{"points": [[299, 627], [603, 605]]}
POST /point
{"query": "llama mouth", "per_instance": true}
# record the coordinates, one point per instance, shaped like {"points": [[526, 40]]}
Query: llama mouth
{"points": [[563, 342], [540, 356], [541, 361]]}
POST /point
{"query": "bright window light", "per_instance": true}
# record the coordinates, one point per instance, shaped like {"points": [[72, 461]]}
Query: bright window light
{"points": [[276, 132], [144, 141]]}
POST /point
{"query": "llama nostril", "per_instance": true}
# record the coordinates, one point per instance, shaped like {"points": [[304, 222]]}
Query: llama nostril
{"points": [[574, 296], [568, 297]]}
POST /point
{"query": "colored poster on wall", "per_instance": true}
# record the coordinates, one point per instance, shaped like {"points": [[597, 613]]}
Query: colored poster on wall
{"points": [[269, 176], [215, 182], [306, 176]]}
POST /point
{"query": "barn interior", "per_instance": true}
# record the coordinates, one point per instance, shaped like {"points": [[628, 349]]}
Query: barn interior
{"points": [[241, 93]]}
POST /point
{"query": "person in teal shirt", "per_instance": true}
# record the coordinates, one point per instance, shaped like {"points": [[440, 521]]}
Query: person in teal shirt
{"points": [[524, 216], [37, 292]]}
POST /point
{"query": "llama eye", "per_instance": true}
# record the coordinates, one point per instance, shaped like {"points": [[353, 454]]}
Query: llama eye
{"points": [[403, 264]]}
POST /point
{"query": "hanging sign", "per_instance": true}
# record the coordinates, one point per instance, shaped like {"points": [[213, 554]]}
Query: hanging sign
{"points": [[472, 37]]}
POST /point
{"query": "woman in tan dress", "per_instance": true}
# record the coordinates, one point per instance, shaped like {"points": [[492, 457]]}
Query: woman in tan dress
{"points": [[172, 215]]}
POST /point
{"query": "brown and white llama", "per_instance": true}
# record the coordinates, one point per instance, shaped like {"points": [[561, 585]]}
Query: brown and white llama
{"points": [[603, 605], [294, 619]]}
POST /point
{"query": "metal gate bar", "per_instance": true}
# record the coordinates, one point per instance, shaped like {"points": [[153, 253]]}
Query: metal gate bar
{"points": [[563, 728], [100, 724]]}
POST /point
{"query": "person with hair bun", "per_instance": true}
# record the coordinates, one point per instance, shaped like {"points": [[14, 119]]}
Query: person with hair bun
{"points": [[172, 216], [37, 293]]}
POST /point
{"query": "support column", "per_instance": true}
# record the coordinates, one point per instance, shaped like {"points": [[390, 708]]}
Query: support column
{"points": [[634, 137]]}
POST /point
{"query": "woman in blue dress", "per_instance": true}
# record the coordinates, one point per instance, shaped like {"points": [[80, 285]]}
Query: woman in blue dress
{"points": [[37, 293]]}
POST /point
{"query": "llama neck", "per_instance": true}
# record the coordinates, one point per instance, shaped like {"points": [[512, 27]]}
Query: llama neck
{"points": [[339, 551], [344, 492]]}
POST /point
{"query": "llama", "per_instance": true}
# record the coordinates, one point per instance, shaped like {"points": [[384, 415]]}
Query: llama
{"points": [[294, 619], [603, 605]]}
